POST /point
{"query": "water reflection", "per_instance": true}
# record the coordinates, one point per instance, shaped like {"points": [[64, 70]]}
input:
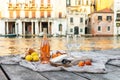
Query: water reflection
{"points": [[19, 45]]}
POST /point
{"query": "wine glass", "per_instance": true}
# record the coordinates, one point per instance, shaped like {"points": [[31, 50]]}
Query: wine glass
{"points": [[77, 46], [69, 48]]}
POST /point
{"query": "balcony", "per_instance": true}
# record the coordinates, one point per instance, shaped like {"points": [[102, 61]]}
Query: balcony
{"points": [[48, 8], [26, 8], [33, 8], [45, 8], [17, 7], [10, 6], [42, 8]]}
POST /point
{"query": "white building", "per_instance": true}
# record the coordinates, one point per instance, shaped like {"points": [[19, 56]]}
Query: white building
{"points": [[76, 23], [30, 17], [117, 17], [77, 15]]}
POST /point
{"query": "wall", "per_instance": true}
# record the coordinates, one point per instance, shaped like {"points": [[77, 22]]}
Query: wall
{"points": [[104, 24]]}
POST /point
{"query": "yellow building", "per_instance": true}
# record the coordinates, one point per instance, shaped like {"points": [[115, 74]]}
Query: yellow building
{"points": [[32, 17], [102, 4]]}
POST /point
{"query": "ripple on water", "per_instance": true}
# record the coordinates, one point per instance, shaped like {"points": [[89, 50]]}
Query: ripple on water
{"points": [[19, 45]]}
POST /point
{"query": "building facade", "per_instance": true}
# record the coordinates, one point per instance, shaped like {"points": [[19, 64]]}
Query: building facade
{"points": [[31, 17], [102, 22], [77, 15], [117, 17]]}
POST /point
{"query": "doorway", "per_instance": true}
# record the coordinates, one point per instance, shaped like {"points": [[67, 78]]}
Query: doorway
{"points": [[76, 30], [44, 26], [28, 28], [86, 30]]}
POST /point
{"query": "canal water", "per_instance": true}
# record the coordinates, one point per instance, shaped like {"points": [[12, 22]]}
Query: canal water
{"points": [[19, 45]]}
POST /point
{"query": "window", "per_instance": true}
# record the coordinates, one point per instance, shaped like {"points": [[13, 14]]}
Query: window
{"points": [[48, 1], [33, 14], [60, 27], [89, 19], [71, 30], [9, 1], [85, 22], [87, 2], [81, 20], [81, 30], [100, 18], [118, 15], [17, 14], [108, 28], [79, 2], [49, 14], [26, 14], [99, 28], [42, 14], [109, 18], [71, 20], [60, 14], [117, 24], [68, 2], [11, 14]]}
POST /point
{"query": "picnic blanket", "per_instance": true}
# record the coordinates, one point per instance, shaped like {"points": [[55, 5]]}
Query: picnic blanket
{"points": [[98, 64]]}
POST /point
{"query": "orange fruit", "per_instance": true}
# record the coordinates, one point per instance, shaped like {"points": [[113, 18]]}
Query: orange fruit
{"points": [[54, 55], [88, 62], [31, 50], [81, 63], [59, 54]]}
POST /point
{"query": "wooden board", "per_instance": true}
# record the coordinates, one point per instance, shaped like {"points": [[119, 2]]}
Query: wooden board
{"points": [[2, 75], [16, 72], [62, 75]]}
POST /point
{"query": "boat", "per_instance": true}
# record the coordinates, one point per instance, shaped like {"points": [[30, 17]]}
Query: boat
{"points": [[10, 35]]}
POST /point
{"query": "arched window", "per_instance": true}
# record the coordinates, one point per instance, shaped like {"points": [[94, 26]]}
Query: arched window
{"points": [[60, 27]]}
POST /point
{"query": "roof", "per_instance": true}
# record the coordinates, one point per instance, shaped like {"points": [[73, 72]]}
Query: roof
{"points": [[105, 10]]}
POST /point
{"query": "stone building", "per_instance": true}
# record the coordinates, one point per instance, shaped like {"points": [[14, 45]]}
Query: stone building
{"points": [[77, 16], [117, 17], [31, 17], [102, 22]]}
